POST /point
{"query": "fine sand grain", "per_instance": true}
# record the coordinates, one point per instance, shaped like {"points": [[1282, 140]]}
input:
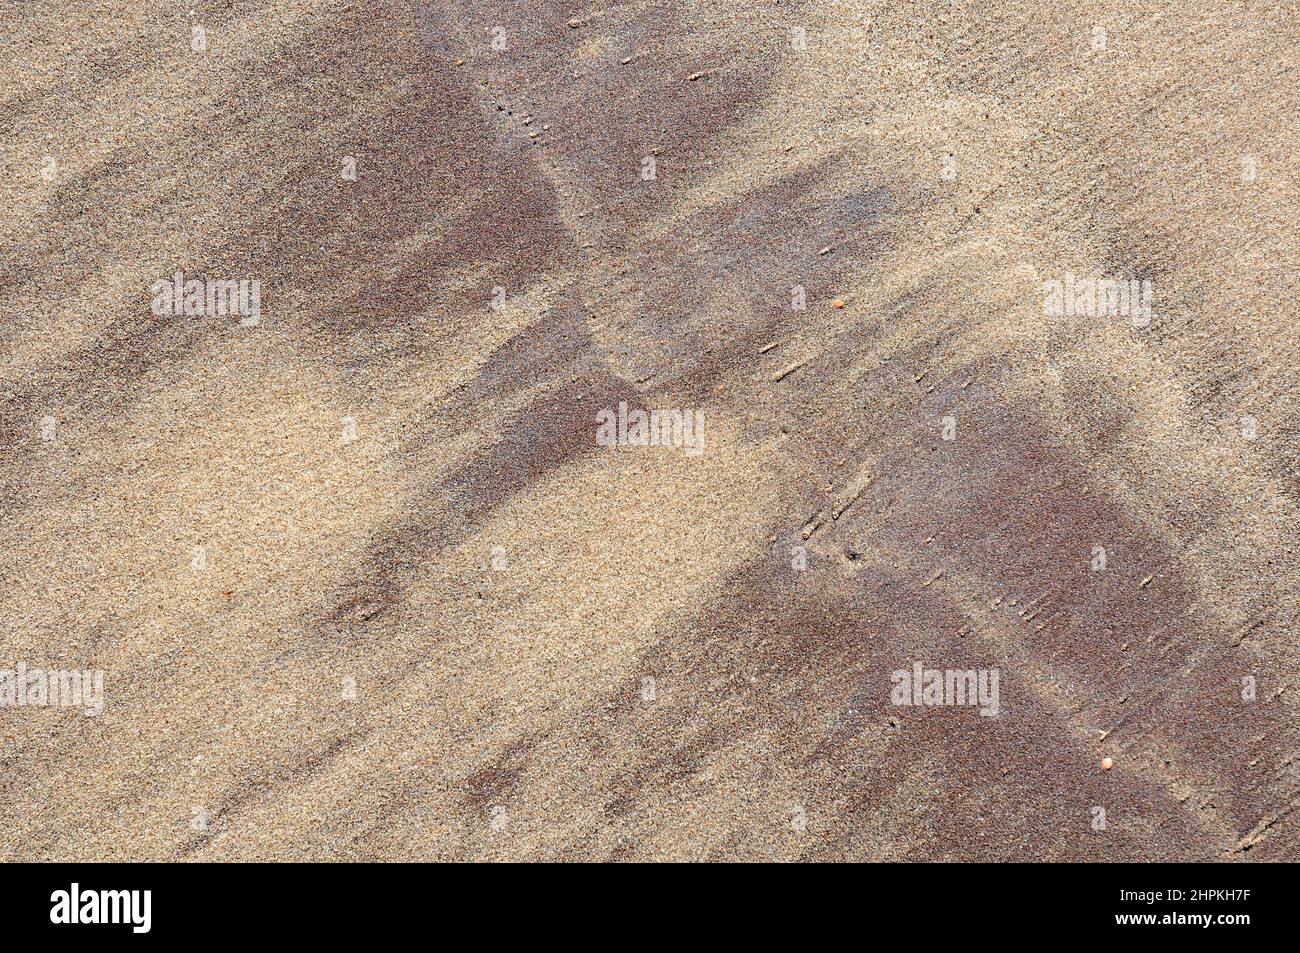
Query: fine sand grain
{"points": [[361, 581]]}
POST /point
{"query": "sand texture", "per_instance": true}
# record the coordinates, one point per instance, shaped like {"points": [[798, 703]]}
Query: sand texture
{"points": [[363, 584]]}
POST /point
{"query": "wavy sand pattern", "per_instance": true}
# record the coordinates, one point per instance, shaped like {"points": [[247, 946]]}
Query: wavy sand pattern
{"points": [[364, 586]]}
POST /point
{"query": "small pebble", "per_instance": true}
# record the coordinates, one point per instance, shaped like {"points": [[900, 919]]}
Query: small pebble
{"points": [[837, 303], [1107, 764]]}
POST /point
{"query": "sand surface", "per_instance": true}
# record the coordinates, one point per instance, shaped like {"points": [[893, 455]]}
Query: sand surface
{"points": [[362, 583]]}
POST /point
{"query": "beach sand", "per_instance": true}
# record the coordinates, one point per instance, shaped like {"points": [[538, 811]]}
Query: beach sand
{"points": [[361, 581]]}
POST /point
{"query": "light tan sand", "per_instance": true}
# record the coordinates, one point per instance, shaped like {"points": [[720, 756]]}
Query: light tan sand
{"points": [[278, 542]]}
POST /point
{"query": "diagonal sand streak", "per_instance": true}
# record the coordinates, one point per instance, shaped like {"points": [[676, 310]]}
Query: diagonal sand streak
{"points": [[601, 558]]}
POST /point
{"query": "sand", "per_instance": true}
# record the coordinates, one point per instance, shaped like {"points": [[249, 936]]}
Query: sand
{"points": [[360, 580]]}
